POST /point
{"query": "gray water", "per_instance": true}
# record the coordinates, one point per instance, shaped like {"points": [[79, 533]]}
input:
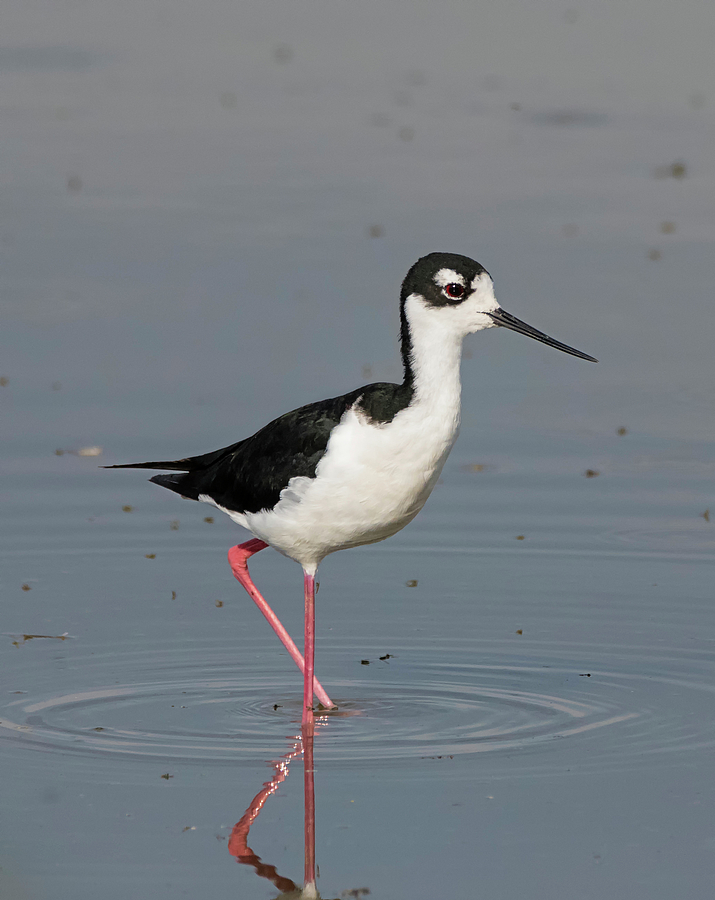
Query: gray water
{"points": [[207, 212]]}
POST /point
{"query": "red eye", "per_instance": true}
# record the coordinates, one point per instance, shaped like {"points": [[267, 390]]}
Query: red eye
{"points": [[454, 290]]}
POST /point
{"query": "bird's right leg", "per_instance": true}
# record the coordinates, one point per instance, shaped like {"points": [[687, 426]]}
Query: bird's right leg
{"points": [[238, 560]]}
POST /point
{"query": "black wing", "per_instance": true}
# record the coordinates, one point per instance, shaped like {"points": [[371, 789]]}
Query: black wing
{"points": [[248, 476]]}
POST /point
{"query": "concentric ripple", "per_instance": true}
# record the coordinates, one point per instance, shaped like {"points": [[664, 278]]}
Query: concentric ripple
{"points": [[199, 705]]}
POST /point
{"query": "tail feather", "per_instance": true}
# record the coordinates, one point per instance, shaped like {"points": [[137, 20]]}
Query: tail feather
{"points": [[177, 483], [179, 465], [190, 464]]}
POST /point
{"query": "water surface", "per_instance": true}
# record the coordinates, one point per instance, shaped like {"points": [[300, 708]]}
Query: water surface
{"points": [[207, 214]]}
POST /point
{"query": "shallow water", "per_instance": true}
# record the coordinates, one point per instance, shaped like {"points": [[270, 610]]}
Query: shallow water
{"points": [[207, 215]]}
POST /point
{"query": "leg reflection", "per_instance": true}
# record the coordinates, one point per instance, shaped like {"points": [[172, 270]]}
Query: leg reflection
{"points": [[238, 842]]}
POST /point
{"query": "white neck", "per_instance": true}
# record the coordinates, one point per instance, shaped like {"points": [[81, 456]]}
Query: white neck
{"points": [[435, 356]]}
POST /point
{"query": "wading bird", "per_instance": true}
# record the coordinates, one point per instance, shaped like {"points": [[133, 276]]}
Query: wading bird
{"points": [[354, 469]]}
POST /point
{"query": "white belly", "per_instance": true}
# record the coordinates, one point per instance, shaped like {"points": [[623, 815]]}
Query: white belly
{"points": [[372, 481]]}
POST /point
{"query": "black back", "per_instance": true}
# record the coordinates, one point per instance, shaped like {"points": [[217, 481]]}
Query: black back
{"points": [[248, 476]]}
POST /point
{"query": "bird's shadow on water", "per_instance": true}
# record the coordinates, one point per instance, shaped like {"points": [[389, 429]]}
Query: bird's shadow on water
{"points": [[302, 745]]}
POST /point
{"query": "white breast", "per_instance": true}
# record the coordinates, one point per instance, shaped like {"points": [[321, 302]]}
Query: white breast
{"points": [[372, 481]]}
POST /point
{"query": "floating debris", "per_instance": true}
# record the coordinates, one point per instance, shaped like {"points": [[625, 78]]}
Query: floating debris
{"points": [[150, 555], [127, 508], [188, 827], [4, 381], [591, 473], [622, 430], [166, 777], [364, 662], [519, 630], [375, 231], [521, 537], [209, 520], [584, 675], [174, 524], [677, 170], [23, 638], [388, 656], [26, 587], [218, 604], [706, 515], [667, 227], [411, 583], [173, 595], [83, 451], [475, 467]]}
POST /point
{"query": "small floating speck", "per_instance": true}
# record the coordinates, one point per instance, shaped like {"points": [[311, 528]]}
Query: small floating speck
{"points": [[150, 555], [591, 473], [219, 604], [26, 587], [622, 430], [706, 515], [364, 662], [411, 583], [677, 170], [89, 451], [209, 520], [166, 777], [174, 524], [521, 537]]}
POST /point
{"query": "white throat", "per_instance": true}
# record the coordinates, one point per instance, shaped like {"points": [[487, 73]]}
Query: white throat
{"points": [[435, 356]]}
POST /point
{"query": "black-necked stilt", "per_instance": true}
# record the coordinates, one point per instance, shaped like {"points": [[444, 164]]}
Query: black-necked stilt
{"points": [[354, 469]]}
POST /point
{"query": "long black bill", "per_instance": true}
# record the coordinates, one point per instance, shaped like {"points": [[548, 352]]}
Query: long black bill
{"points": [[511, 322]]}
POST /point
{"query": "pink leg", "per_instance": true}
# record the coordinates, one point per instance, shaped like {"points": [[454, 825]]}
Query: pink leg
{"points": [[238, 560], [309, 888], [309, 649]]}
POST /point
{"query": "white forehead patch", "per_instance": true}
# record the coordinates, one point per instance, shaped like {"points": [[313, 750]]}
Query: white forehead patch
{"points": [[476, 281], [448, 276]]}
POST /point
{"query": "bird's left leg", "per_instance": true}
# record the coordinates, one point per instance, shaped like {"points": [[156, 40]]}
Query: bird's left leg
{"points": [[309, 648], [238, 560]]}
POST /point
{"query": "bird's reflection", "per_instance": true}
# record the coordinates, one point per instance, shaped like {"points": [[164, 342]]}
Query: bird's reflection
{"points": [[238, 842]]}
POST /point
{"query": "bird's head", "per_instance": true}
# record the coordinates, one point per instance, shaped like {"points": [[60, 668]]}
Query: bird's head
{"points": [[456, 293]]}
